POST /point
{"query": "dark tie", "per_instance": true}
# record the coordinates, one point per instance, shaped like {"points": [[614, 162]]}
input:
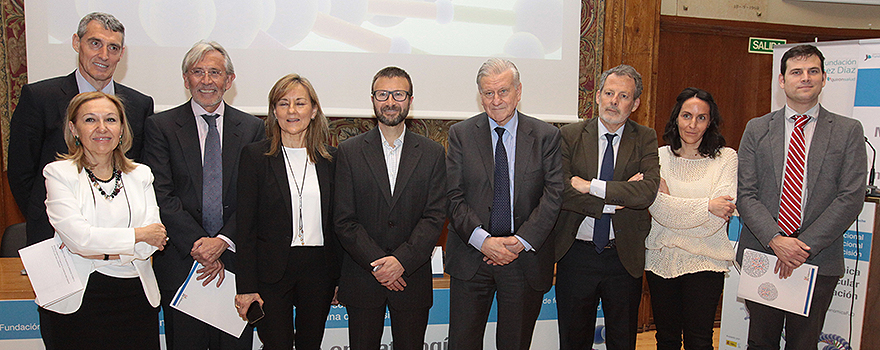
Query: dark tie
{"points": [[603, 226], [500, 220], [793, 181], [212, 179]]}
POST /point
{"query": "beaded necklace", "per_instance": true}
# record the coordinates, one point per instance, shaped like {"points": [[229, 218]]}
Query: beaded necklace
{"points": [[117, 176]]}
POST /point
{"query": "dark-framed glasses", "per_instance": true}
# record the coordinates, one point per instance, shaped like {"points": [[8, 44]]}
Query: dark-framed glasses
{"points": [[397, 95]]}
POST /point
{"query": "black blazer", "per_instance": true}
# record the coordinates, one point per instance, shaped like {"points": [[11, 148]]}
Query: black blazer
{"points": [[172, 150], [265, 217], [36, 137], [537, 181], [372, 223]]}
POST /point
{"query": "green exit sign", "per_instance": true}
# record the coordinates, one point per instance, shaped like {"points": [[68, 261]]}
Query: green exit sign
{"points": [[761, 45]]}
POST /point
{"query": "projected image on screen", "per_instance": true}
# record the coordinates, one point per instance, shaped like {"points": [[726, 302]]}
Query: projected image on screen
{"points": [[529, 28], [337, 44]]}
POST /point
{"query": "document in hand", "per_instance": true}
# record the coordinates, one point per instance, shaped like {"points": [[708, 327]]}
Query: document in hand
{"points": [[210, 304], [758, 283], [51, 271]]}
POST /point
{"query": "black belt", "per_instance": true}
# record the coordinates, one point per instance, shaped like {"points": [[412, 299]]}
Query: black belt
{"points": [[611, 244]]}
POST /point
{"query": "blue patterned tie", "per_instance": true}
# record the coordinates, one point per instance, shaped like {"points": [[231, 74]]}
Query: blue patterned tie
{"points": [[212, 179], [500, 219], [602, 226]]}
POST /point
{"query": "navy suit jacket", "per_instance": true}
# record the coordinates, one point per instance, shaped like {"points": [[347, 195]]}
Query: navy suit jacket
{"points": [[36, 137], [172, 150]]}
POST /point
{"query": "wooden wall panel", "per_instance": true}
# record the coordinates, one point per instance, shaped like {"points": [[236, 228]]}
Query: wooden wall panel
{"points": [[631, 32], [712, 55]]}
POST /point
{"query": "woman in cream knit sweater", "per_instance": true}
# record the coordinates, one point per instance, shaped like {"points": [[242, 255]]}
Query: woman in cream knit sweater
{"points": [[687, 249]]}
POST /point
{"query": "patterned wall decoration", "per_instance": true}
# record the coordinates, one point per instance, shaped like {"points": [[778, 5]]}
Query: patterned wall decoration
{"points": [[14, 74], [14, 63], [592, 34]]}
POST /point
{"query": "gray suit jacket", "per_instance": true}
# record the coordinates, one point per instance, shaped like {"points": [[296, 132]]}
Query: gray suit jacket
{"points": [[836, 175], [172, 150], [637, 153], [537, 194]]}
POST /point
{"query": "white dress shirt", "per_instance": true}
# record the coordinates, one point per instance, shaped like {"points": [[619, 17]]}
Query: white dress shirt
{"points": [[392, 156]]}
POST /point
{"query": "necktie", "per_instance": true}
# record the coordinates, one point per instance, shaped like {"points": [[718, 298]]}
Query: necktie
{"points": [[793, 180], [500, 216], [212, 179], [602, 227]]}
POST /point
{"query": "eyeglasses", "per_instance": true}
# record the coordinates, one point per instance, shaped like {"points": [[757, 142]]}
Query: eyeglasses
{"points": [[212, 73], [397, 95]]}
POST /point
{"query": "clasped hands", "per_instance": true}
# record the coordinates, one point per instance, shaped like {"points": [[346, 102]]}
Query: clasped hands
{"points": [[500, 251], [207, 251], [389, 272], [791, 253]]}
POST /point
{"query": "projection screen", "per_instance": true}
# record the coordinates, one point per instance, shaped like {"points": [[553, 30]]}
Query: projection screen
{"points": [[337, 44]]}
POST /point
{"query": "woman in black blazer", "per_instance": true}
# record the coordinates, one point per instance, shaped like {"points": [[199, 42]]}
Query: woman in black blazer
{"points": [[288, 253]]}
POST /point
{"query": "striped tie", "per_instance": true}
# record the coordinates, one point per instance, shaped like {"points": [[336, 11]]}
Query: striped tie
{"points": [[793, 182]]}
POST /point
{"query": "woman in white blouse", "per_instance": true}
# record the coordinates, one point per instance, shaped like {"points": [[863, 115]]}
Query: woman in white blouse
{"points": [[104, 212], [688, 251], [287, 252]]}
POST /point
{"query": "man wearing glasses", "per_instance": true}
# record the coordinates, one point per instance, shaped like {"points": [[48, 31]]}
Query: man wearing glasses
{"points": [[390, 206], [193, 150]]}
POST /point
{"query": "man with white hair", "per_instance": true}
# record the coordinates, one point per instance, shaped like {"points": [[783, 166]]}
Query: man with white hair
{"points": [[193, 150], [499, 239]]}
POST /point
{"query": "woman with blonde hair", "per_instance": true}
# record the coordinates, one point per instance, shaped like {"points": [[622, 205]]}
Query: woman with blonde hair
{"points": [[288, 254], [103, 209]]}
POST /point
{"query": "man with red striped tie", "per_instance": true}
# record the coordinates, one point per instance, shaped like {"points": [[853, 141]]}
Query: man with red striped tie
{"points": [[802, 173]]}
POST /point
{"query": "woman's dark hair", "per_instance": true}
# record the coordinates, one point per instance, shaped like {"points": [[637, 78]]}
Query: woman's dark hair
{"points": [[712, 141]]}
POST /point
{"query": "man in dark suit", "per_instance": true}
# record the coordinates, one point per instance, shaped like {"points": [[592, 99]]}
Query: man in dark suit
{"points": [[193, 150], [802, 172], [505, 184], [36, 131], [390, 209], [610, 181]]}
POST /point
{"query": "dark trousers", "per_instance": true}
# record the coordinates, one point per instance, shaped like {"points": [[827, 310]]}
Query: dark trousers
{"points": [[801, 333], [583, 277], [471, 300], [184, 332], [114, 314], [685, 305], [365, 327], [306, 285]]}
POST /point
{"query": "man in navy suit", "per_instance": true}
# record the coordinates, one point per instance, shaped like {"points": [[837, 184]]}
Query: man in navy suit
{"points": [[800, 151], [504, 175], [36, 131], [197, 196]]}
